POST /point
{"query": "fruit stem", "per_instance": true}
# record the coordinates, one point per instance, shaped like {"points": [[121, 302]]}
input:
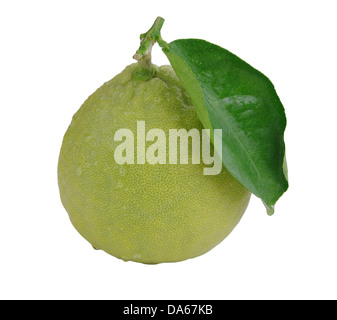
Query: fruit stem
{"points": [[146, 70]]}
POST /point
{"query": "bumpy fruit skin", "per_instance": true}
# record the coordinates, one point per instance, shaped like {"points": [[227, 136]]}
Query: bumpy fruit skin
{"points": [[142, 212]]}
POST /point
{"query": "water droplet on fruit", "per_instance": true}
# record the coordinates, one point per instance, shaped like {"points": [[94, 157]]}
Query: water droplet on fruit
{"points": [[79, 171]]}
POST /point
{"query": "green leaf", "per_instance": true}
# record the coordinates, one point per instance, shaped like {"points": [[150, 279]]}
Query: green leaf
{"points": [[231, 95]]}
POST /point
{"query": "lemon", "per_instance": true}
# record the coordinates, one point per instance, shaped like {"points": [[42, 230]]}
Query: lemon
{"points": [[149, 213]]}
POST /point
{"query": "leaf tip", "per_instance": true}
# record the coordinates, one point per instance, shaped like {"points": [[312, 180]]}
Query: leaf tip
{"points": [[270, 209]]}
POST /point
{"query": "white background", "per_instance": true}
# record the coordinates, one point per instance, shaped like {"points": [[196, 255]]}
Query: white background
{"points": [[55, 53]]}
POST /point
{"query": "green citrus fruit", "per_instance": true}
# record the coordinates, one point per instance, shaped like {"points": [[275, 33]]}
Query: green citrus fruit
{"points": [[149, 213]]}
